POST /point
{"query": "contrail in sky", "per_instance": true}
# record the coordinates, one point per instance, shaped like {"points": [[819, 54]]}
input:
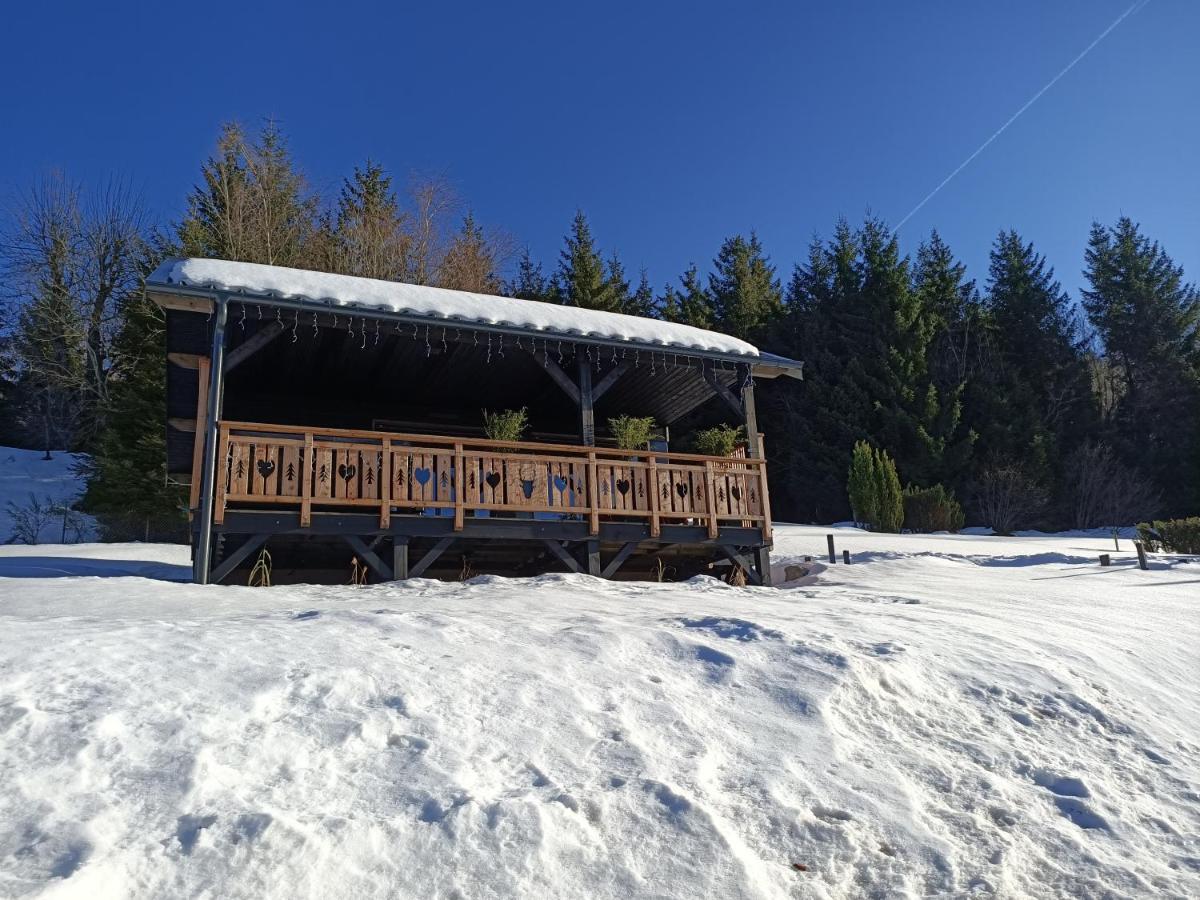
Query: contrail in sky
{"points": [[1032, 100]]}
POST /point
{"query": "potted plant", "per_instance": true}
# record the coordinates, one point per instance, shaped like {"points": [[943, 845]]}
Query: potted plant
{"points": [[632, 432], [721, 440]]}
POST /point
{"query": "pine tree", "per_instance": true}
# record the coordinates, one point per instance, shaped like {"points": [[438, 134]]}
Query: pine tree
{"points": [[529, 283], [950, 303], [745, 292], [251, 204], [1033, 400], [368, 231], [862, 485], [470, 263], [127, 487], [690, 306], [1148, 322], [583, 279], [641, 301]]}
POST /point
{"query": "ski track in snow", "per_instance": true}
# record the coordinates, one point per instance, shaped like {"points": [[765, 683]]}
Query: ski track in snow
{"points": [[950, 716]]}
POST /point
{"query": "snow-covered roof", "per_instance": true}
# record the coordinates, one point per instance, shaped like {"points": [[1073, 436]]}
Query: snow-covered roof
{"points": [[411, 300]]}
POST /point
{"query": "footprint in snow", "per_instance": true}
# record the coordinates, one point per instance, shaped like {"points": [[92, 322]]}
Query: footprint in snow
{"points": [[713, 657], [831, 815], [1062, 785], [188, 828], [307, 614], [249, 826], [1081, 814]]}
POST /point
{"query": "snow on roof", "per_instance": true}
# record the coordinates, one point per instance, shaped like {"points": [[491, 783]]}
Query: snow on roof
{"points": [[439, 303]]}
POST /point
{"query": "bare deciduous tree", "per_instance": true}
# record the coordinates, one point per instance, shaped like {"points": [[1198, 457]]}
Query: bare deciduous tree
{"points": [[1103, 492], [474, 259], [1007, 498], [69, 261]]}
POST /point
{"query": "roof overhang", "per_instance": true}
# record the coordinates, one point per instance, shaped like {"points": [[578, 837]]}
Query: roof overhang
{"points": [[169, 294]]}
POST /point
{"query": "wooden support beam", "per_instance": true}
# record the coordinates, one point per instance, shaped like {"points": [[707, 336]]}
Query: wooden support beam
{"points": [[560, 551], [616, 562], [561, 378], [234, 559], [369, 556], [592, 555], [738, 559], [400, 557], [430, 558], [198, 441], [722, 391], [183, 304], [243, 351], [179, 423], [587, 416], [186, 360], [610, 378]]}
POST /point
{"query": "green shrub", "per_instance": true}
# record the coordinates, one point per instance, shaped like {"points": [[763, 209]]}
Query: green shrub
{"points": [[632, 432], [721, 440], [931, 509], [1172, 535], [864, 501], [891, 498], [507, 425], [874, 489]]}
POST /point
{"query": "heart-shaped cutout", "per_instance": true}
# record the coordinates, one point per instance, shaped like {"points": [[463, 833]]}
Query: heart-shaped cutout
{"points": [[347, 472], [735, 492], [681, 489], [560, 483], [266, 467], [493, 479], [422, 475], [623, 486]]}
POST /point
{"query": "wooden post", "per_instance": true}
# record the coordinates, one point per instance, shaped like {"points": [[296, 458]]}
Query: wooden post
{"points": [[593, 558], [846, 557], [1105, 559], [400, 557], [202, 561], [385, 485], [460, 486], [202, 368], [710, 498], [587, 417], [745, 373], [652, 495], [593, 495], [306, 487], [832, 553], [1141, 552], [218, 514], [1116, 540]]}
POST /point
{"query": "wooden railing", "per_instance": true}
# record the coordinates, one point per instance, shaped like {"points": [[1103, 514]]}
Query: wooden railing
{"points": [[309, 468]]}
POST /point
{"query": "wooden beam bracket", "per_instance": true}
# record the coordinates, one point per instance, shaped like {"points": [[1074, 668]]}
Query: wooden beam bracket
{"points": [[369, 556], [231, 562], [559, 550], [617, 561], [430, 557]]}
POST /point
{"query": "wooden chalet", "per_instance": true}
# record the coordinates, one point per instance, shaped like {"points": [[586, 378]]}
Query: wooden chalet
{"points": [[331, 417]]}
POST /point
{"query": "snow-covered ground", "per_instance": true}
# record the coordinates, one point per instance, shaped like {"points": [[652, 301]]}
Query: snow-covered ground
{"points": [[25, 476], [947, 716]]}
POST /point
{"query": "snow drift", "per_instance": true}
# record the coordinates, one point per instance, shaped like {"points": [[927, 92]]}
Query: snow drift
{"points": [[947, 716]]}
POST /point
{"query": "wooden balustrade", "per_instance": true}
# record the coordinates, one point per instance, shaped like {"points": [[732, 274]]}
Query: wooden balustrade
{"points": [[309, 468]]}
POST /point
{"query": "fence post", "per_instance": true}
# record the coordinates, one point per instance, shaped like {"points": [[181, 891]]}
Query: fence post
{"points": [[832, 553], [1141, 552], [846, 557], [1105, 559]]}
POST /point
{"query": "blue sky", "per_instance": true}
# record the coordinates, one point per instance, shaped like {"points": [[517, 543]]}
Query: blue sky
{"points": [[670, 125]]}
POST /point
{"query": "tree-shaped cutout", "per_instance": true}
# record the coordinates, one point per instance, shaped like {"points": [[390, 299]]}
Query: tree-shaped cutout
{"points": [[290, 472]]}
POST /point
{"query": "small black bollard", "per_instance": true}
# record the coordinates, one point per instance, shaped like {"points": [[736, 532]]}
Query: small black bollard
{"points": [[1141, 552], [846, 557], [1105, 559], [808, 559], [832, 553]]}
